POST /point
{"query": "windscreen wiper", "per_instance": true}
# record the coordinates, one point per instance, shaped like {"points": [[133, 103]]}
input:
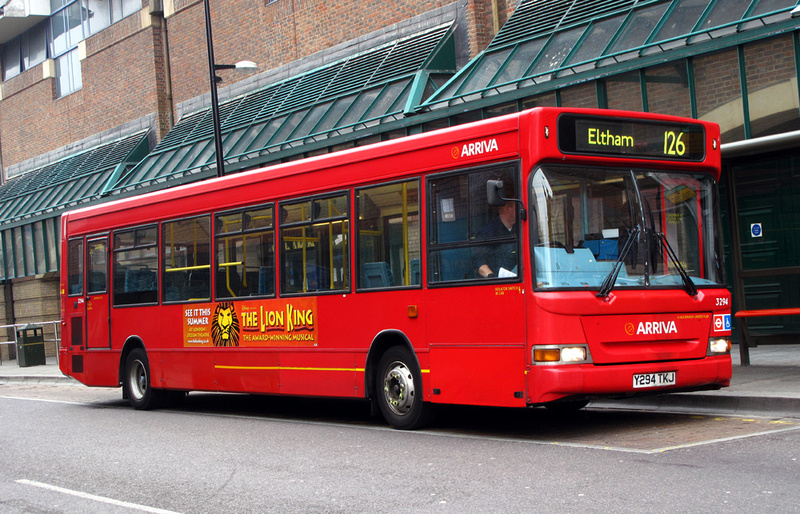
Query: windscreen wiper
{"points": [[608, 283], [688, 284]]}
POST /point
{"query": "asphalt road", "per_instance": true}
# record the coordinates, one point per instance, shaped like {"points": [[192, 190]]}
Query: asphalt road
{"points": [[75, 449]]}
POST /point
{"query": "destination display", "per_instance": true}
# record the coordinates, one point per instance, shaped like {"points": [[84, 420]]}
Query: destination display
{"points": [[631, 138]]}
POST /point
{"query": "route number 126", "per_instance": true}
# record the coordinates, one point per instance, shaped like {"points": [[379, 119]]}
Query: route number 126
{"points": [[673, 143]]}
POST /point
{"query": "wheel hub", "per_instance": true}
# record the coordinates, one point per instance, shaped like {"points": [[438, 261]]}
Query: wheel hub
{"points": [[398, 388]]}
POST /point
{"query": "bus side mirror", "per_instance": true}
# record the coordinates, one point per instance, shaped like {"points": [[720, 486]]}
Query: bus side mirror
{"points": [[494, 190]]}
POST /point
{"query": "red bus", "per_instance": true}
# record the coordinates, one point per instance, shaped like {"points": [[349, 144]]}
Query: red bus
{"points": [[546, 257]]}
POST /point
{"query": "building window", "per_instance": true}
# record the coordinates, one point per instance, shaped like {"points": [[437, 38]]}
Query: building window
{"points": [[24, 52], [11, 59], [71, 22], [68, 73]]}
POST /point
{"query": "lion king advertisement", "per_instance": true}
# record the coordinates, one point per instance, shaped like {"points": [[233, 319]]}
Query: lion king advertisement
{"points": [[285, 322]]}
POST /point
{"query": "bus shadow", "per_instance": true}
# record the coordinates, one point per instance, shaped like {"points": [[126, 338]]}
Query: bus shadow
{"points": [[527, 423]]}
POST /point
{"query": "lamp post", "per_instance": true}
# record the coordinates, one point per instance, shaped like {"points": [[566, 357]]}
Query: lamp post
{"points": [[215, 80]]}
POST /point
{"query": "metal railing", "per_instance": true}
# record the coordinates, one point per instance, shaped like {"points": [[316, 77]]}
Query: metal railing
{"points": [[56, 337]]}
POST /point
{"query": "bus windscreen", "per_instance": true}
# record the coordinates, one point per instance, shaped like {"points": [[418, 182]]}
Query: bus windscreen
{"points": [[591, 135]]}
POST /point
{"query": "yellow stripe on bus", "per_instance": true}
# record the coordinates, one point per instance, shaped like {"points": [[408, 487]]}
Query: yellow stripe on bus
{"points": [[292, 368]]}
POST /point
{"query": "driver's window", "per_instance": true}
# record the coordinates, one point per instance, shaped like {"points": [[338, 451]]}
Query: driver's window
{"points": [[467, 238]]}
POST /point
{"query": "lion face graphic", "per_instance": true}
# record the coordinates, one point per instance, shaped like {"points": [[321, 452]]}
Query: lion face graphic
{"points": [[225, 326]]}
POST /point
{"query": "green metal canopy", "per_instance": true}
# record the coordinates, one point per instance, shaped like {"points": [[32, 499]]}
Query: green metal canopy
{"points": [[547, 43], [30, 205], [363, 90], [67, 182]]}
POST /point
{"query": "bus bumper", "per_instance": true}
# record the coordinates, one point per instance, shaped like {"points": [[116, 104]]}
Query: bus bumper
{"points": [[547, 383]]}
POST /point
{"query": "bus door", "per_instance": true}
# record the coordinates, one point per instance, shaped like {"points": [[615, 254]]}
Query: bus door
{"points": [[475, 300], [97, 296]]}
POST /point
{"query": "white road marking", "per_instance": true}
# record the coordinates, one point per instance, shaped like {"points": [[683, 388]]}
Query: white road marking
{"points": [[450, 434], [93, 497]]}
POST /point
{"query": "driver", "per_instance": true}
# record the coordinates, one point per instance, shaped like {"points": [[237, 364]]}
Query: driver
{"points": [[492, 258]]}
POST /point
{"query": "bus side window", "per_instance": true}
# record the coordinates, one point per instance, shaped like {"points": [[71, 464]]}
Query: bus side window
{"points": [[135, 265], [315, 244], [186, 272], [467, 238], [245, 253], [388, 236]]}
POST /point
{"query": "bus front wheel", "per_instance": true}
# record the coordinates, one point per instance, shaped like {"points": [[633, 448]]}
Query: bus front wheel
{"points": [[137, 383], [398, 389]]}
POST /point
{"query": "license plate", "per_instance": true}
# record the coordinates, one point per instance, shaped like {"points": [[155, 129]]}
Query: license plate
{"points": [[654, 379]]}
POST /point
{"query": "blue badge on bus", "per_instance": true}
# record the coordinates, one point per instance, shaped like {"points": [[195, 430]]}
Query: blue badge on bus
{"points": [[722, 322]]}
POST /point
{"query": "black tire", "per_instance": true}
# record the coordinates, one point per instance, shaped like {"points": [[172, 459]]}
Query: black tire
{"points": [[137, 384], [398, 390]]}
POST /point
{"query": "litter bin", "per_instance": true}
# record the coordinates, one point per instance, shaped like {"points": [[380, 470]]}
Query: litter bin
{"points": [[30, 346]]}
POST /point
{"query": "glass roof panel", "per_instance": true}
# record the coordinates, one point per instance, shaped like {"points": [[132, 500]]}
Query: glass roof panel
{"points": [[556, 52], [520, 61], [768, 6], [388, 97], [681, 20], [201, 154], [359, 107], [722, 13], [636, 32], [288, 127], [246, 139], [451, 87], [230, 140], [335, 112], [482, 76], [596, 40], [311, 120], [265, 135]]}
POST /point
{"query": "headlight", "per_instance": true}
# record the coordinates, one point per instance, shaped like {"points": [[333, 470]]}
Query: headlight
{"points": [[719, 345], [573, 354], [553, 354]]}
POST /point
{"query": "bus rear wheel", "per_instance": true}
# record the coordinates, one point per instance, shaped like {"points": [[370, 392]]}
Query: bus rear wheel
{"points": [[398, 390], [137, 384]]}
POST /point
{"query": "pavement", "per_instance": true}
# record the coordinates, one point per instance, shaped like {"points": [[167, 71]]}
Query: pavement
{"points": [[769, 387]]}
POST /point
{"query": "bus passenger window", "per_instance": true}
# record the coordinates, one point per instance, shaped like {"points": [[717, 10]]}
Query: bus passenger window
{"points": [[135, 266], [389, 236], [245, 250], [467, 238], [75, 267], [314, 244], [186, 271]]}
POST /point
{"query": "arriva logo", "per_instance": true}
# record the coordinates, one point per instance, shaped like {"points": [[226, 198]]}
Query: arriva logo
{"points": [[477, 148], [656, 328]]}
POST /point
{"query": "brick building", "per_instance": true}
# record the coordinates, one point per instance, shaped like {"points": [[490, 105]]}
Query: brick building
{"points": [[102, 99]]}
